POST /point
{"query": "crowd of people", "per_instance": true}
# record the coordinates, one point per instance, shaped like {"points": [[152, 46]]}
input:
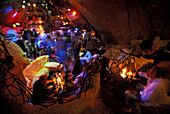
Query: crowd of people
{"points": [[46, 88], [69, 47], [59, 44], [80, 47]]}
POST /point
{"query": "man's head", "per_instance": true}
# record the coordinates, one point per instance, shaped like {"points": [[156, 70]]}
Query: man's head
{"points": [[155, 72], [43, 79]]}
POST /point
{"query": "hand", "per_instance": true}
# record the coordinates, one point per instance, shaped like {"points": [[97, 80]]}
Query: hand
{"points": [[50, 87], [135, 93]]}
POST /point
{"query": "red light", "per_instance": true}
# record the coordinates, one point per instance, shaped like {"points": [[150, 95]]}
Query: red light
{"points": [[92, 33]]}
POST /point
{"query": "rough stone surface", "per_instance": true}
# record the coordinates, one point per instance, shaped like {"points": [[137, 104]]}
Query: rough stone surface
{"points": [[13, 82], [119, 21]]}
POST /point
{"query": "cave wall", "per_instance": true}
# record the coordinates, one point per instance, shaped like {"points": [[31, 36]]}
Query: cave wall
{"points": [[118, 21]]}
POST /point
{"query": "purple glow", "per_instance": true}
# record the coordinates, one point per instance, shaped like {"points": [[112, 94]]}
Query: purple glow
{"points": [[14, 14], [8, 9]]}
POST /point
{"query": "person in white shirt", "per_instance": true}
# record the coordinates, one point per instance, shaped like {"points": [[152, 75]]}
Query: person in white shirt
{"points": [[86, 57], [83, 61], [89, 57], [154, 93]]}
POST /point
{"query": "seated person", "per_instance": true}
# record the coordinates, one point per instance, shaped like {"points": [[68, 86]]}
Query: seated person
{"points": [[40, 92], [83, 60], [86, 57], [90, 56], [154, 93], [145, 49], [137, 51]]}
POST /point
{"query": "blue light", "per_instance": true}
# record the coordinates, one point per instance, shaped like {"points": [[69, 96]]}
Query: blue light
{"points": [[76, 29], [8, 9]]}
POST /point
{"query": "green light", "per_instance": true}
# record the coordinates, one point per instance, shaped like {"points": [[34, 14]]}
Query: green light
{"points": [[29, 4]]}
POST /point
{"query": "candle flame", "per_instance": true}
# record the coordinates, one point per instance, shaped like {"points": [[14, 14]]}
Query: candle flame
{"points": [[59, 80], [54, 80], [129, 73], [124, 72]]}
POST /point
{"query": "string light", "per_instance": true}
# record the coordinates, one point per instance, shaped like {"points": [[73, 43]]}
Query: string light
{"points": [[29, 4], [14, 25], [23, 6], [34, 5], [18, 24]]}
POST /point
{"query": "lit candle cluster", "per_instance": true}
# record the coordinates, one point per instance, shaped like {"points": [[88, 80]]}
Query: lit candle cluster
{"points": [[58, 81], [127, 74]]}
